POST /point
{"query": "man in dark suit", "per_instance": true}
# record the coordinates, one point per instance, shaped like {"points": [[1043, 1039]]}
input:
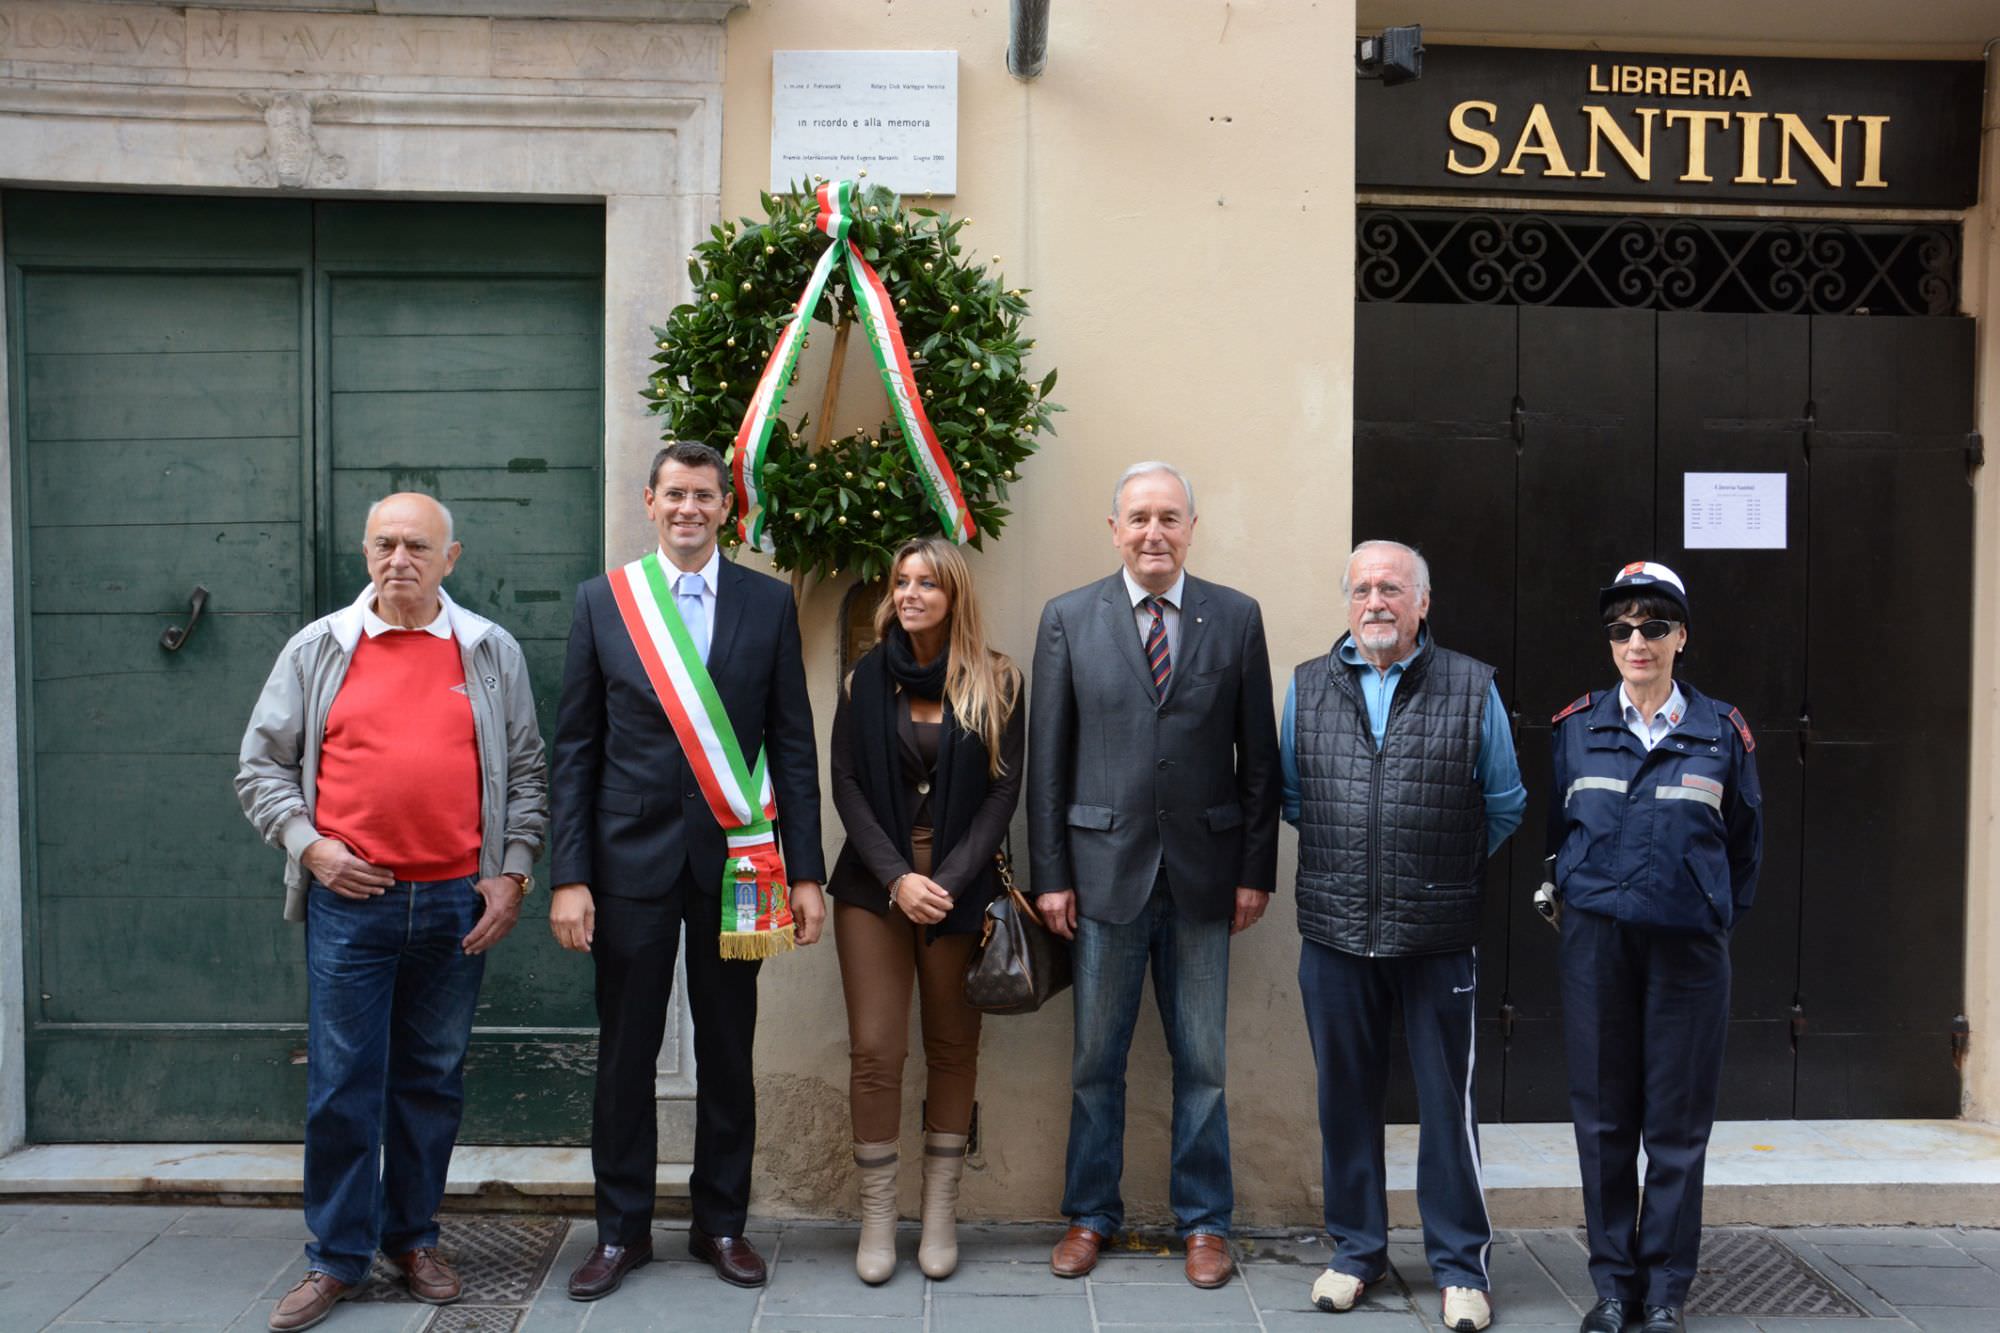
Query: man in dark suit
{"points": [[639, 851], [1153, 831]]}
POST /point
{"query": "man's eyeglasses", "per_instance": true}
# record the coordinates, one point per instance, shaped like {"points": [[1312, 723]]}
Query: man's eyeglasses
{"points": [[675, 498], [1618, 631]]}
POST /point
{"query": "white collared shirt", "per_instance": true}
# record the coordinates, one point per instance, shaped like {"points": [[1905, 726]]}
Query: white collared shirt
{"points": [[1651, 731], [710, 575], [376, 627], [1171, 614]]}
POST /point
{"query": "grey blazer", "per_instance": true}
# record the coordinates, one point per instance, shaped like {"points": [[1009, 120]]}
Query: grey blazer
{"points": [[1121, 784]]}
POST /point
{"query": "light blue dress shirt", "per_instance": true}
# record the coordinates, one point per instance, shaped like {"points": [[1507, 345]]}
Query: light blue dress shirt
{"points": [[1499, 771]]}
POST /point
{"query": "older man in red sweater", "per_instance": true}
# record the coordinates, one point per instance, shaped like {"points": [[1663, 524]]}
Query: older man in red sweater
{"points": [[394, 756]]}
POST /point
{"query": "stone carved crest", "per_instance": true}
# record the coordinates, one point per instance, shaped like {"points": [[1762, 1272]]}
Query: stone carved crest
{"points": [[291, 158]]}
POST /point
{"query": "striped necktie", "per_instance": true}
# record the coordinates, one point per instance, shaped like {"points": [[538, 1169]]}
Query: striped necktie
{"points": [[1158, 657]]}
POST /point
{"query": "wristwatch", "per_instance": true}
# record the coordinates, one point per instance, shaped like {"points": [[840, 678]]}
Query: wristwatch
{"points": [[527, 882]]}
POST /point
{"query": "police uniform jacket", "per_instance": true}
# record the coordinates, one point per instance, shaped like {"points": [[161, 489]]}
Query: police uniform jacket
{"points": [[1670, 838]]}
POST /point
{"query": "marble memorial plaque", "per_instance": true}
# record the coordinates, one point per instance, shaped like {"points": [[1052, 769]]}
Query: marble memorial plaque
{"points": [[891, 113]]}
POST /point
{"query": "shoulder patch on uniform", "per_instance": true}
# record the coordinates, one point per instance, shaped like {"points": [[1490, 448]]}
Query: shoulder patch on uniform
{"points": [[1576, 707], [1743, 730]]}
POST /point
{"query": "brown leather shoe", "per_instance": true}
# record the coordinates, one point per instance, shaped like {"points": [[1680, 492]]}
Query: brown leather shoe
{"points": [[606, 1267], [1076, 1253], [736, 1261], [430, 1279], [309, 1302], [1208, 1261]]}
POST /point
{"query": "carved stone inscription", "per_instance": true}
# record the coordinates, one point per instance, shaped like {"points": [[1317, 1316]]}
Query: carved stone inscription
{"points": [[641, 52], [337, 44], [85, 34], [243, 41]]}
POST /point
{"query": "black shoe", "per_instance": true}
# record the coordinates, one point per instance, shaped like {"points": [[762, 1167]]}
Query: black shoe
{"points": [[1663, 1319], [1607, 1316], [606, 1266], [734, 1259]]}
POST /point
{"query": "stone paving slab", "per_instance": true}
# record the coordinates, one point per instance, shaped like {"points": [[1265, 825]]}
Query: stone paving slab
{"points": [[174, 1269]]}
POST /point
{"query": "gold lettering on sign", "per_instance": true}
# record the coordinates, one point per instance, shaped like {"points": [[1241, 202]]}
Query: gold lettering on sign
{"points": [[1538, 138], [1795, 132], [1871, 153], [1753, 130], [1739, 85], [1461, 130], [1638, 158], [1668, 81], [1698, 123]]}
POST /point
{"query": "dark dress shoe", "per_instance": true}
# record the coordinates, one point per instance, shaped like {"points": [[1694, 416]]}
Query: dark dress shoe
{"points": [[600, 1274], [735, 1261], [1663, 1319], [1607, 1316]]}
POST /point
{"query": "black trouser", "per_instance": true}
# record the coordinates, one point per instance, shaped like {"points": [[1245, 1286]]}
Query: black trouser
{"points": [[1645, 1014], [634, 951]]}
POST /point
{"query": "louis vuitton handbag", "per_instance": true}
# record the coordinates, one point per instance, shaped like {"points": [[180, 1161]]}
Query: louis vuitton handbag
{"points": [[1019, 963]]}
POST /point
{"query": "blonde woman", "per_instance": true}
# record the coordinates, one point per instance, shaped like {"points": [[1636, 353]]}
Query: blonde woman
{"points": [[927, 742]]}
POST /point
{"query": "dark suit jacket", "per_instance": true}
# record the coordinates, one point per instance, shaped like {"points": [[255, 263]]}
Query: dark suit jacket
{"points": [[1117, 779], [628, 816]]}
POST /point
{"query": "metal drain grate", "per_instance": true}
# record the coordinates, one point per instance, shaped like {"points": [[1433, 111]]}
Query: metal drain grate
{"points": [[502, 1261], [1749, 1273], [476, 1319]]}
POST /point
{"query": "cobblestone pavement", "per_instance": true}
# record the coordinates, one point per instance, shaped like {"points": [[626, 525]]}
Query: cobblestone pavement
{"points": [[132, 1267]]}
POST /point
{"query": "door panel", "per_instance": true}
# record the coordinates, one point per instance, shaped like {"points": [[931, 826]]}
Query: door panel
{"points": [[162, 443], [1886, 771], [1434, 396], [212, 392], [499, 344]]}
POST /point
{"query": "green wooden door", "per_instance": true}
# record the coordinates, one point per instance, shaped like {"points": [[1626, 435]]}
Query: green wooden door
{"points": [[208, 393]]}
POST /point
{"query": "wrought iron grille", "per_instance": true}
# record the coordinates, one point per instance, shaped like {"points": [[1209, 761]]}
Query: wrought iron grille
{"points": [[1741, 266]]}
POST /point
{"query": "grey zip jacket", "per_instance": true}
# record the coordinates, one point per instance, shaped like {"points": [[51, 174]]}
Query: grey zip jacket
{"points": [[277, 771]]}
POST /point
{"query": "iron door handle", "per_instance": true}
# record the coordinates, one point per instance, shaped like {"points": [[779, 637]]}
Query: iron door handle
{"points": [[174, 637]]}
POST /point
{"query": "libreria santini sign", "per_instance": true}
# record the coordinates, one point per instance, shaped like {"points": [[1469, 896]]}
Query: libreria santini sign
{"points": [[1848, 132]]}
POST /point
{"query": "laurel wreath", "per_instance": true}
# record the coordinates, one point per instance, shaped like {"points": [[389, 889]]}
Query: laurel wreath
{"points": [[846, 501]]}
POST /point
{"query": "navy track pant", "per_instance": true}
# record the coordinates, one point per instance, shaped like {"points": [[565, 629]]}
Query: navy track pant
{"points": [[1350, 1001]]}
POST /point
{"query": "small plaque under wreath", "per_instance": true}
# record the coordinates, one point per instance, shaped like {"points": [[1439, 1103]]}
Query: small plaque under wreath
{"points": [[946, 337]]}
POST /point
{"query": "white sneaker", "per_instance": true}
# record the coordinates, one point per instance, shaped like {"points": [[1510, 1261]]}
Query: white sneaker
{"points": [[1466, 1309], [1336, 1292]]}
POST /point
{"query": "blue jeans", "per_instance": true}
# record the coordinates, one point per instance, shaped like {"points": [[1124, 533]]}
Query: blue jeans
{"points": [[391, 998], [1190, 966]]}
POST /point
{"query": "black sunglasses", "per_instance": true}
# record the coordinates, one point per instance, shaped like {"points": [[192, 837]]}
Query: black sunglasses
{"points": [[1620, 630]]}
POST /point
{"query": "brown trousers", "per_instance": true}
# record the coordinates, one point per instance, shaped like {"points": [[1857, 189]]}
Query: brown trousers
{"points": [[879, 957]]}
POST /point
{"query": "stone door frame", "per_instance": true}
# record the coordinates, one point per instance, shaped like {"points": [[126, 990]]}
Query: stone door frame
{"points": [[283, 100]]}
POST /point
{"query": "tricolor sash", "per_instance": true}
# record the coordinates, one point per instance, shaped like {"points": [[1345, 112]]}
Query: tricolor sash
{"points": [[756, 899]]}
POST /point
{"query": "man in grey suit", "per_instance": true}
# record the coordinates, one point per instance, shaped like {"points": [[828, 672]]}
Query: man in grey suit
{"points": [[1153, 833]]}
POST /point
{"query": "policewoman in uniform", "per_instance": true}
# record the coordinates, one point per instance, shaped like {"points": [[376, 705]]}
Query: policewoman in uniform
{"points": [[1657, 828]]}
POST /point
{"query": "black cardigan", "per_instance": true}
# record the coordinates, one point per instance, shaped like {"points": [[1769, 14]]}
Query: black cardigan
{"points": [[871, 861]]}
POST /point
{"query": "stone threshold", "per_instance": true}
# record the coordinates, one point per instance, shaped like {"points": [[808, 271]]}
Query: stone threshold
{"points": [[1760, 1173], [536, 1177]]}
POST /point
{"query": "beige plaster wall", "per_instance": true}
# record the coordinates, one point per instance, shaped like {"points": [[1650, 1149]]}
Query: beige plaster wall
{"points": [[1177, 190], [1982, 905]]}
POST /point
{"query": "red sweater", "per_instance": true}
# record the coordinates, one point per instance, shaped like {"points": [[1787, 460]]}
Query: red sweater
{"points": [[399, 765]]}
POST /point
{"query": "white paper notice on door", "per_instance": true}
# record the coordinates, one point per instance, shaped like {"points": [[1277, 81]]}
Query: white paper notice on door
{"points": [[1733, 511]]}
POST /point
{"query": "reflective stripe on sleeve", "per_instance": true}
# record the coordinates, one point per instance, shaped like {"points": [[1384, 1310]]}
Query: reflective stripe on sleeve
{"points": [[1618, 785]]}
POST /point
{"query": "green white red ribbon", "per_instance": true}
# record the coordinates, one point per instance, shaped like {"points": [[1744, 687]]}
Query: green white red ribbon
{"points": [[756, 898], [892, 358]]}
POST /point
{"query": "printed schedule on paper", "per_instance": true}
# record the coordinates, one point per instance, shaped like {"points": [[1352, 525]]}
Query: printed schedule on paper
{"points": [[1740, 511]]}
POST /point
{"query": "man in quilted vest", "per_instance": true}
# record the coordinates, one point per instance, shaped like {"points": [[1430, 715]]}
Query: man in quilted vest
{"points": [[1399, 773]]}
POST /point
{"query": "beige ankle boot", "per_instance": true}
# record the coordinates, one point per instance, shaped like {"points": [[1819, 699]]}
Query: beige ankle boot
{"points": [[875, 1165], [944, 1159]]}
